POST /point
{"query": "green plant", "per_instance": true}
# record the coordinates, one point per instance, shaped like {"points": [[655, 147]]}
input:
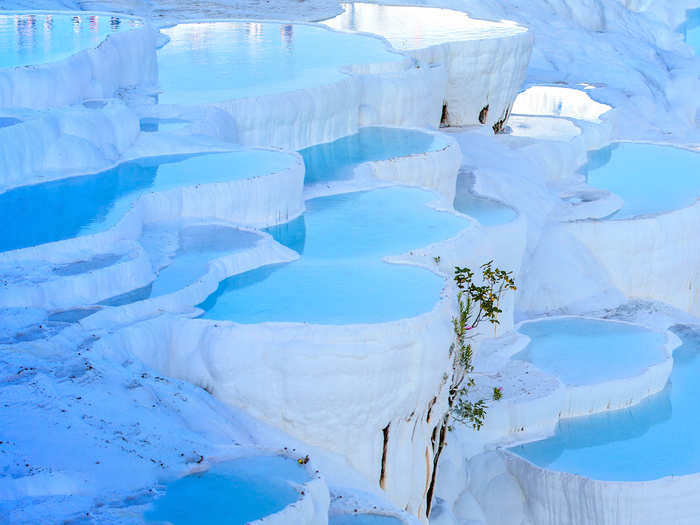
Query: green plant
{"points": [[497, 393], [475, 303]]}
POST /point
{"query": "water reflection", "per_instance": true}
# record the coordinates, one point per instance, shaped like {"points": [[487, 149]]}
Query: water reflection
{"points": [[40, 38], [408, 27], [218, 61], [336, 160]]}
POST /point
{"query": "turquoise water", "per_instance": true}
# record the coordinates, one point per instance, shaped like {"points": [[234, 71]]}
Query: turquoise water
{"points": [[487, 211], [656, 438], [313, 291], [151, 125], [342, 240], [76, 206], [40, 38], [363, 519], [231, 493], [387, 221], [586, 351], [691, 29], [650, 178], [336, 160], [198, 246], [6, 122], [217, 61]]}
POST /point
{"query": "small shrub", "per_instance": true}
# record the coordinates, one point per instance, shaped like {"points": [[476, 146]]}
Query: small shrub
{"points": [[497, 393]]}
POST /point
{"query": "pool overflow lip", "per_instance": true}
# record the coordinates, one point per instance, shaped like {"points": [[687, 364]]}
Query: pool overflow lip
{"points": [[174, 159], [669, 344], [660, 478], [512, 441], [307, 489]]}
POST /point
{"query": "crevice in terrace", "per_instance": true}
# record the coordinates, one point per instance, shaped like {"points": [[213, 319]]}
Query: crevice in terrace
{"points": [[385, 435], [499, 125], [484, 114]]}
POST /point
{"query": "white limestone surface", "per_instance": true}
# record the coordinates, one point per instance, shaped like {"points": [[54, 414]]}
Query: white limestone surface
{"points": [[57, 143], [435, 170], [35, 282], [265, 251], [662, 247], [557, 101], [554, 497], [278, 372], [381, 95], [485, 60]]}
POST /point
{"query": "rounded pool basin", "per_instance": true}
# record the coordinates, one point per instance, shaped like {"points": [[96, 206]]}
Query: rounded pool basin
{"points": [[231, 493], [587, 351], [656, 438], [341, 278], [650, 178], [76, 206], [198, 246], [336, 160], [209, 62]]}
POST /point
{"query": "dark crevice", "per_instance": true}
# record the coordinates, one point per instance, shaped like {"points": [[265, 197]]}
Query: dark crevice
{"points": [[430, 409], [484, 114], [438, 440], [445, 116], [498, 126], [382, 474]]}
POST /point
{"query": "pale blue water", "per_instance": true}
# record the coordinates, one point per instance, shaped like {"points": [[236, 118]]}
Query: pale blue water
{"points": [[656, 438], [363, 519], [319, 292], [341, 278], [40, 38], [67, 208], [586, 351], [336, 160], [691, 29], [199, 245], [217, 61], [6, 122], [650, 178], [150, 125], [386, 221], [231, 493], [487, 211]]}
